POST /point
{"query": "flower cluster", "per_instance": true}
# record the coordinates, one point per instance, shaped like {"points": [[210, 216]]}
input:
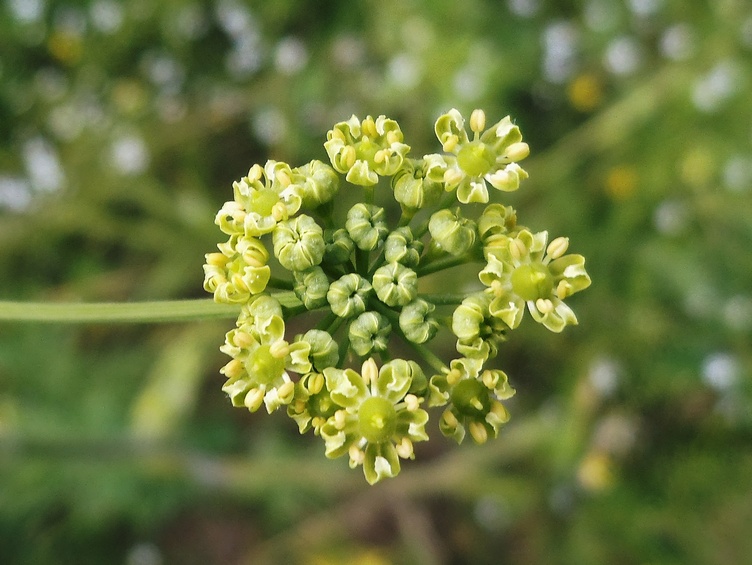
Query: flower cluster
{"points": [[361, 285]]}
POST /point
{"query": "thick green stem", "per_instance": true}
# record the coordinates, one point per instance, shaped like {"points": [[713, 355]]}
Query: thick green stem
{"points": [[154, 312], [442, 263], [117, 312], [281, 284], [444, 299], [362, 258]]}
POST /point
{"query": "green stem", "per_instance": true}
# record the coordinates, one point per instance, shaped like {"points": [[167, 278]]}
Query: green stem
{"points": [[430, 357], [442, 263], [368, 194], [117, 312], [420, 229], [444, 299], [281, 284], [407, 215], [361, 261], [376, 264], [291, 304]]}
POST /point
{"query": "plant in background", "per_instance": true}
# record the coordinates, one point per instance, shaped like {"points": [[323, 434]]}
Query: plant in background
{"points": [[357, 279]]}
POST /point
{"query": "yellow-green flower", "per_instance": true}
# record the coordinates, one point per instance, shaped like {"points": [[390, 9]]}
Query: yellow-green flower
{"points": [[491, 156], [365, 150], [266, 196], [526, 271], [239, 271], [262, 359], [379, 420], [473, 397]]}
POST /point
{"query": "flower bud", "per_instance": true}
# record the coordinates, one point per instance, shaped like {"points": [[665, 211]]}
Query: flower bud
{"points": [[400, 247], [496, 219], [324, 351], [299, 243], [451, 231], [348, 295], [311, 287], [508, 179], [366, 225], [369, 332], [450, 129], [395, 284], [419, 183], [319, 183], [416, 323], [399, 376], [339, 246], [231, 218]]}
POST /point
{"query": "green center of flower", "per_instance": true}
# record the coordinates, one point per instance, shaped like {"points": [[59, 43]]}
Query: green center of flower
{"points": [[532, 281], [262, 201], [366, 150], [321, 405], [475, 158], [470, 397], [377, 419], [263, 366]]}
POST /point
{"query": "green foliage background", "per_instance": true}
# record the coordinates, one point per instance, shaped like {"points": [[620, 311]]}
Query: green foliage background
{"points": [[122, 127]]}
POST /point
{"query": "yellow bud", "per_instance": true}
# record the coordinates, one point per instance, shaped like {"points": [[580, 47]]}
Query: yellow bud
{"points": [[243, 339], [544, 305], [411, 401], [478, 432], [339, 419], [453, 377], [283, 178], [563, 290], [490, 378], [233, 369], [356, 455], [279, 349], [253, 399], [517, 249], [286, 391], [478, 121], [405, 448], [316, 383], [557, 247], [518, 151], [450, 420], [368, 128], [370, 371], [452, 176], [279, 211], [450, 143], [348, 156], [255, 173], [498, 410], [216, 259]]}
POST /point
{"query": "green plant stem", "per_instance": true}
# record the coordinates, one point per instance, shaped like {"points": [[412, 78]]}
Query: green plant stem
{"points": [[444, 299], [441, 264], [281, 284], [361, 261], [117, 312], [153, 312]]}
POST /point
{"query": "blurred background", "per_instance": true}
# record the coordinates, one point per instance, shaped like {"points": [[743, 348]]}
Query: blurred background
{"points": [[122, 127]]}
